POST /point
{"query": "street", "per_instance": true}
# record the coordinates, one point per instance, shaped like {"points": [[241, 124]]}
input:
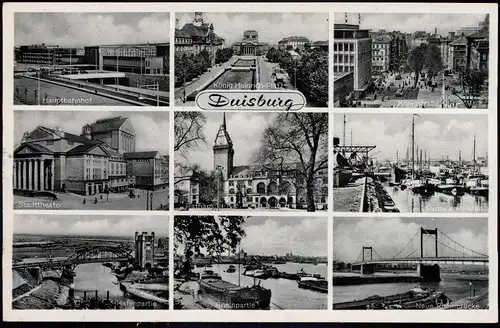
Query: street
{"points": [[118, 201]]}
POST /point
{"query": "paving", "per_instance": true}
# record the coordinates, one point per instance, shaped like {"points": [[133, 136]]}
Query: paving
{"points": [[69, 201], [348, 198]]}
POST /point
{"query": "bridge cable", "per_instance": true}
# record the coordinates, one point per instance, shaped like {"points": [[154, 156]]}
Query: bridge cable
{"points": [[455, 250], [380, 257], [406, 245], [426, 237], [472, 251]]}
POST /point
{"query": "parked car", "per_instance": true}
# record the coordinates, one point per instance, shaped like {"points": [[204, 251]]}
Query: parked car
{"points": [[131, 194]]}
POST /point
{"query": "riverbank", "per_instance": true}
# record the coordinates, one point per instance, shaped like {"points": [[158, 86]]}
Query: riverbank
{"points": [[371, 279], [470, 303], [377, 199]]}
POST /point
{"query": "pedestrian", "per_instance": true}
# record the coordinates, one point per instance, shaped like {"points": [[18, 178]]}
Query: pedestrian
{"points": [[100, 197], [84, 201], [95, 200]]}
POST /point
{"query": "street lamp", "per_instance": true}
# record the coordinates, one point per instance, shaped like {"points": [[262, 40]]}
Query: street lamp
{"points": [[151, 201]]}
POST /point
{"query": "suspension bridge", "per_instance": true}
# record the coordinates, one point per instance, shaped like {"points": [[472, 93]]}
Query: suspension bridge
{"points": [[445, 251]]}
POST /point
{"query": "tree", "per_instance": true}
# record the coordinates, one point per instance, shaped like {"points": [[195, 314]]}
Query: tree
{"points": [[295, 144], [311, 75], [416, 61], [433, 61], [214, 235], [188, 131], [471, 85], [289, 47]]}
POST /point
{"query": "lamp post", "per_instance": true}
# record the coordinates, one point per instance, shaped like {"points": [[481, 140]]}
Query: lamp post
{"points": [[151, 201], [147, 199]]}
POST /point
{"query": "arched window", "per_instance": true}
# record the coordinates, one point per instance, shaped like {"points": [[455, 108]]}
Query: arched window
{"points": [[231, 191], [232, 199], [261, 188], [249, 190]]}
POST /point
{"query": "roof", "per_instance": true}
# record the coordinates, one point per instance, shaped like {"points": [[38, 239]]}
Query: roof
{"points": [[479, 35], [140, 154], [420, 34], [295, 39], [461, 41], [82, 149], [243, 169], [382, 38], [109, 124], [181, 33], [74, 137], [36, 147], [320, 43], [192, 30]]}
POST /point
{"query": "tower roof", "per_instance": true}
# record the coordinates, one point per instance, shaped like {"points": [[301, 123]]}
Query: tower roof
{"points": [[223, 138]]}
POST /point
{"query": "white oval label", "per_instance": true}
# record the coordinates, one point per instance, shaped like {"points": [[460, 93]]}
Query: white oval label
{"points": [[290, 100]]}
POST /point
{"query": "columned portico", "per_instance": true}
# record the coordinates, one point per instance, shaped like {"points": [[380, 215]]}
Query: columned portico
{"points": [[36, 174]]}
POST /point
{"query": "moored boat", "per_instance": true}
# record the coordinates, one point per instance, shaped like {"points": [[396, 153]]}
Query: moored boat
{"points": [[319, 285], [233, 297], [231, 269], [209, 274]]}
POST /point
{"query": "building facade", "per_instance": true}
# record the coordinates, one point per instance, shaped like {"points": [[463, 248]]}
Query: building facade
{"points": [[459, 53], [352, 52], [197, 36], [91, 163], [48, 55], [250, 45], [381, 53], [296, 42], [343, 86], [144, 249], [151, 58], [253, 186], [419, 38]]}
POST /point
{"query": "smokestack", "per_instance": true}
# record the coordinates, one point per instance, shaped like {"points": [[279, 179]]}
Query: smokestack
{"points": [[435, 30]]}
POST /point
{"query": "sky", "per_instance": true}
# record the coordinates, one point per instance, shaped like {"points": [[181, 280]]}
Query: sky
{"points": [[440, 135], [306, 236], [245, 130], [410, 23], [90, 225], [85, 29], [272, 27], [151, 128], [389, 235]]}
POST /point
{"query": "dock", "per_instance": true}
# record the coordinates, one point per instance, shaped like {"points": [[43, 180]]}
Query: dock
{"points": [[349, 198]]}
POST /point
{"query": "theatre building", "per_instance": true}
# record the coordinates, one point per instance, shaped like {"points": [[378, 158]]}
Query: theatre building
{"points": [[90, 163]]}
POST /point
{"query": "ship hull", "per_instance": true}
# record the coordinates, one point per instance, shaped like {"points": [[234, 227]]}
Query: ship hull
{"points": [[317, 286], [229, 296]]}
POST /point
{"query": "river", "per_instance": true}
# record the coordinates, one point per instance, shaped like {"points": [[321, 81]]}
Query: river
{"points": [[455, 286], [407, 201], [285, 294]]}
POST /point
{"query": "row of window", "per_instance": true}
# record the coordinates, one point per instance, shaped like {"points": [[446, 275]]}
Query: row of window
{"points": [[348, 59], [183, 40], [343, 68], [339, 46], [117, 168]]}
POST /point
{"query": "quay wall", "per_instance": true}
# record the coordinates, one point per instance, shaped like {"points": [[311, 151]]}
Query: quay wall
{"points": [[362, 280]]}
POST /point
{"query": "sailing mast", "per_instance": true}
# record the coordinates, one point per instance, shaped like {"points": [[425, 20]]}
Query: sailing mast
{"points": [[413, 147], [474, 154], [344, 131], [239, 264], [397, 158]]}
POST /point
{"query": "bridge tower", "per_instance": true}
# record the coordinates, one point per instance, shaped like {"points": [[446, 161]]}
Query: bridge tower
{"points": [[144, 249], [367, 248], [429, 232], [429, 272]]}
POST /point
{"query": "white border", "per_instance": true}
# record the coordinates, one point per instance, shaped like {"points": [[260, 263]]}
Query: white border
{"points": [[172, 315]]}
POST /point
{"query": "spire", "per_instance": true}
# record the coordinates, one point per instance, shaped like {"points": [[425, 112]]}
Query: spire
{"points": [[224, 120]]}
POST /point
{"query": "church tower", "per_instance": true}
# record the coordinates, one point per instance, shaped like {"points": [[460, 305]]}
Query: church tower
{"points": [[223, 151]]}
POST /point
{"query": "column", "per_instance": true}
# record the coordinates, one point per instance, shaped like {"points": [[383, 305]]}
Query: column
{"points": [[24, 174], [14, 175], [52, 170], [42, 175], [35, 175]]}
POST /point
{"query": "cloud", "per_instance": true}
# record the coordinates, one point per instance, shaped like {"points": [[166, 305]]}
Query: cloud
{"points": [[412, 22], [388, 236], [152, 129], [272, 27], [245, 130], [84, 29], [90, 225], [437, 135], [304, 236]]}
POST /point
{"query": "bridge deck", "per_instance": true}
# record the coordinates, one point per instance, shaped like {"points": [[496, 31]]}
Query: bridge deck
{"points": [[471, 259]]}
